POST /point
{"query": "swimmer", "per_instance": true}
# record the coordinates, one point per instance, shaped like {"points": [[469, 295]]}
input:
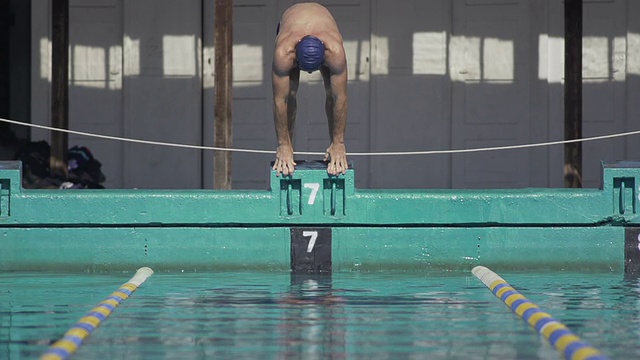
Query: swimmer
{"points": [[308, 39]]}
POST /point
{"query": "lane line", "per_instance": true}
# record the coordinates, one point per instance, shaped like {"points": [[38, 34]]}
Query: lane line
{"points": [[73, 338], [558, 335]]}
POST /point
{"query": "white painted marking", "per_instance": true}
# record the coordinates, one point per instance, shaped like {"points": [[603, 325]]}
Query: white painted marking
{"points": [[314, 192], [312, 241]]}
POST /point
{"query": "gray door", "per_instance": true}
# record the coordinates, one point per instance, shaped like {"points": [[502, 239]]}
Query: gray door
{"points": [[95, 81], [254, 31], [135, 72], [162, 92], [410, 92], [490, 69], [604, 85]]}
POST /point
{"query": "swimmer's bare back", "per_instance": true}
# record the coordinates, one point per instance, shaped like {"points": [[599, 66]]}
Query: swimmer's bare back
{"points": [[308, 19]]}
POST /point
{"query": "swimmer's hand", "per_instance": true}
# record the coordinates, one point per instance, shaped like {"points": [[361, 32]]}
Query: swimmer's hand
{"points": [[337, 155], [284, 163]]}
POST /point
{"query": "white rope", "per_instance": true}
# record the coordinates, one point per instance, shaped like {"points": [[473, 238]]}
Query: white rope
{"points": [[108, 137], [391, 153]]}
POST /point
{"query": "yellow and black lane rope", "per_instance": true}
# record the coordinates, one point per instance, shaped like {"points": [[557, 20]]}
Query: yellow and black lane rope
{"points": [[73, 338], [558, 335]]}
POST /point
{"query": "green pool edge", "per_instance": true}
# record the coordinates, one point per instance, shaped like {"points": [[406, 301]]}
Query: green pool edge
{"points": [[368, 230]]}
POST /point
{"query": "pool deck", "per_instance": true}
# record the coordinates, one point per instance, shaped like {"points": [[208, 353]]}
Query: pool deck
{"points": [[313, 222]]}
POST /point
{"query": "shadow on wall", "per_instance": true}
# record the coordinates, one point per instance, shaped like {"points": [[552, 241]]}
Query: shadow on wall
{"points": [[452, 80]]}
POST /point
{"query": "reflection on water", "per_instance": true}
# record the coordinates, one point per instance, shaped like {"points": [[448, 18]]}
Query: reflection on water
{"points": [[283, 316]]}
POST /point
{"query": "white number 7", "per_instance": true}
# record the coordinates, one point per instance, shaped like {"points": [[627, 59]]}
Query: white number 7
{"points": [[314, 191], [312, 241]]}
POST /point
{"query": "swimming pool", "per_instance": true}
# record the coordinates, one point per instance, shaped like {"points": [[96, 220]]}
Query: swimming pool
{"points": [[354, 315]]}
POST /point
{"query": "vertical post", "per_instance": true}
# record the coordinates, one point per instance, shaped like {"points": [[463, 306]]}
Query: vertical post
{"points": [[223, 127], [573, 92], [5, 23], [59, 87]]}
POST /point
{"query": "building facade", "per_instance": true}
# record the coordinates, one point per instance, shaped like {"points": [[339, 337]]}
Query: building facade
{"points": [[423, 75]]}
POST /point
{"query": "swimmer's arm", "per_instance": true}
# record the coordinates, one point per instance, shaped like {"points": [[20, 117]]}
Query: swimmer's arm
{"points": [[339, 98], [339, 90], [281, 82], [337, 114], [280, 94], [285, 83]]}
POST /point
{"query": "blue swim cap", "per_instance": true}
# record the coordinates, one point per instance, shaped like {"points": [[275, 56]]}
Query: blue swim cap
{"points": [[310, 53]]}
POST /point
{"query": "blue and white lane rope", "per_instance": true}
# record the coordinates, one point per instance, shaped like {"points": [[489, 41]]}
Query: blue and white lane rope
{"points": [[73, 338], [560, 337]]}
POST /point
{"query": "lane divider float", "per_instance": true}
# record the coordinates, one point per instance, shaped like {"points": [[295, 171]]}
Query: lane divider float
{"points": [[73, 338], [558, 335]]}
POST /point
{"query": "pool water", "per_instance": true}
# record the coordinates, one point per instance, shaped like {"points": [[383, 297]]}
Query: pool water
{"points": [[247, 315]]}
